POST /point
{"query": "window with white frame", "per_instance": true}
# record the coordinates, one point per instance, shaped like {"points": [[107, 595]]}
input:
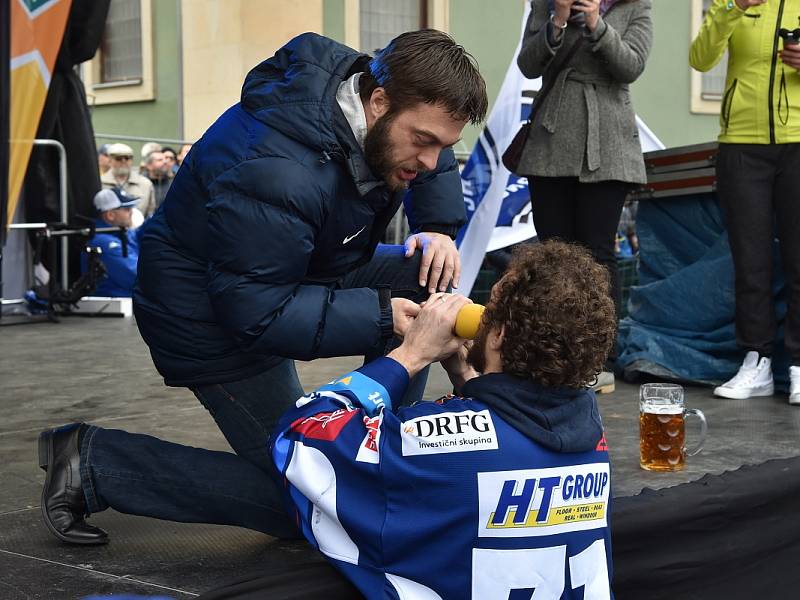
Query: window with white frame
{"points": [[379, 22], [713, 81], [371, 24], [707, 88], [121, 45], [122, 70], [382, 20]]}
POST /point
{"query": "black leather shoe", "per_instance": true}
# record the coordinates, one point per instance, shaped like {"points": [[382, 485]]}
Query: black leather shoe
{"points": [[63, 502]]}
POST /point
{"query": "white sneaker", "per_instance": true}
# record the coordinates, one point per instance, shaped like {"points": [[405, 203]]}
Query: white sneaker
{"points": [[605, 383], [794, 386], [753, 379]]}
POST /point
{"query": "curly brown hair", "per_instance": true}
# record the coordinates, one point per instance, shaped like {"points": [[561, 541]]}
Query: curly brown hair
{"points": [[558, 315]]}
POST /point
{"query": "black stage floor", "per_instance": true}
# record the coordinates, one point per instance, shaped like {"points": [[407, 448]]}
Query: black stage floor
{"points": [[99, 370]]}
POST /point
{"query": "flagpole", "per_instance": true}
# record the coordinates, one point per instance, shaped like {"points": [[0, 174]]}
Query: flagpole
{"points": [[503, 122], [5, 128]]}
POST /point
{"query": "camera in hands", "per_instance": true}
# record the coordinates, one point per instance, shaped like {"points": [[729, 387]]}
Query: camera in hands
{"points": [[790, 36]]}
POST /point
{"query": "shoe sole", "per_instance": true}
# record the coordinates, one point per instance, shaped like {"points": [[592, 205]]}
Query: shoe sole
{"points": [[605, 389], [45, 458], [732, 394], [795, 401]]}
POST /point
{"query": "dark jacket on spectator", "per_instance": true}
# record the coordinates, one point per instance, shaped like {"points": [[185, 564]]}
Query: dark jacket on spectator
{"points": [[120, 270]]}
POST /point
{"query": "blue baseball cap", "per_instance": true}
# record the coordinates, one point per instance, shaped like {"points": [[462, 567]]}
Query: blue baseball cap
{"points": [[113, 198]]}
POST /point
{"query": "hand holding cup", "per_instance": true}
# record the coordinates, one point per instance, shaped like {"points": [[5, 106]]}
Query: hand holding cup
{"points": [[430, 337]]}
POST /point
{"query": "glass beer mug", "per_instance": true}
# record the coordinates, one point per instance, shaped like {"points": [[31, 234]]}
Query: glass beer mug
{"points": [[662, 435]]}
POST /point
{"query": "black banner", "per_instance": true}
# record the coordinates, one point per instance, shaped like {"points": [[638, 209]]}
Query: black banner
{"points": [[5, 117], [733, 536]]}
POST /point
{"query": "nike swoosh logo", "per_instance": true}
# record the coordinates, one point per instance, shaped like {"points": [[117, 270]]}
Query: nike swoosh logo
{"points": [[350, 237]]}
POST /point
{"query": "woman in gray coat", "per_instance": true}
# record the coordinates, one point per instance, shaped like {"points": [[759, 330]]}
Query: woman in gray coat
{"points": [[583, 152]]}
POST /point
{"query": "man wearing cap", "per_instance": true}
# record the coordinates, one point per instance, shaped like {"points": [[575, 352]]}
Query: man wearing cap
{"points": [[122, 175], [114, 207]]}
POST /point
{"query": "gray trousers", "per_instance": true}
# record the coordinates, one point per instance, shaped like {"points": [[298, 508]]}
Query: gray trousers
{"points": [[759, 189]]}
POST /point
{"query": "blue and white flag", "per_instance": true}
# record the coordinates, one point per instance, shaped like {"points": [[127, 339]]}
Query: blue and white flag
{"points": [[497, 201]]}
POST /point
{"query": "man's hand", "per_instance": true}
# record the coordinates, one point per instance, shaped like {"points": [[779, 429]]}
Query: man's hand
{"points": [[403, 314], [440, 260], [430, 337], [591, 10], [790, 55], [745, 4], [457, 368]]}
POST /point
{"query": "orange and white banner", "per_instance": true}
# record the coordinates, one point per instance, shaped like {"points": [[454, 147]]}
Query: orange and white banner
{"points": [[37, 27]]}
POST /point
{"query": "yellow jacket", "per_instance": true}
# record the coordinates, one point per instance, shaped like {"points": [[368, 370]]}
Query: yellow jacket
{"points": [[761, 104]]}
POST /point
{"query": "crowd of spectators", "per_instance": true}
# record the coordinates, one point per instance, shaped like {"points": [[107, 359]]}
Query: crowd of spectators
{"points": [[146, 185]]}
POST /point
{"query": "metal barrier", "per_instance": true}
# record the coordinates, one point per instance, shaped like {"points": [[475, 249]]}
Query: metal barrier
{"points": [[63, 195], [138, 138], [462, 155], [63, 209], [397, 230]]}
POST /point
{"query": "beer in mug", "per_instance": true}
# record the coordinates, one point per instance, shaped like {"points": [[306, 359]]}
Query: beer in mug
{"points": [[662, 433]]}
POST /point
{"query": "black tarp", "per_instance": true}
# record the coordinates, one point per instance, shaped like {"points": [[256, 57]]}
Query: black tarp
{"points": [[66, 118], [734, 536], [310, 578], [681, 319]]}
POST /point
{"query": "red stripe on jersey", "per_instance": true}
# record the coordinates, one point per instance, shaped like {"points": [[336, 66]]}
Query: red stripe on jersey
{"points": [[323, 426]]}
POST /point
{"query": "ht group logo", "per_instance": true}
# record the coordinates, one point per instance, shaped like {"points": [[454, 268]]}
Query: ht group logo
{"points": [[536, 502], [441, 433]]}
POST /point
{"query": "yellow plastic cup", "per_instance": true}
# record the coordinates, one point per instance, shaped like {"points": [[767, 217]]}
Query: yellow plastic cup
{"points": [[468, 320]]}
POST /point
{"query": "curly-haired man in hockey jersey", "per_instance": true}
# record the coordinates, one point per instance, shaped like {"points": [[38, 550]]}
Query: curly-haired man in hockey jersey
{"points": [[505, 486]]}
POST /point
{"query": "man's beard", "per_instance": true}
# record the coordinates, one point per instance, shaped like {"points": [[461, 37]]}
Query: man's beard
{"points": [[120, 172], [378, 150], [476, 356]]}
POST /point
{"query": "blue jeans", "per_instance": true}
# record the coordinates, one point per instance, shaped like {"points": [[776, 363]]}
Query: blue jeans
{"points": [[143, 475]]}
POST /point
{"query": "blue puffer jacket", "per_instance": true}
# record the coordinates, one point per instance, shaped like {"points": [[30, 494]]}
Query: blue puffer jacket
{"points": [[239, 265]]}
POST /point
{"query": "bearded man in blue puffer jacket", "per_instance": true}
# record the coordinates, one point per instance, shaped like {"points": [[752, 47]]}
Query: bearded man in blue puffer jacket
{"points": [[265, 251]]}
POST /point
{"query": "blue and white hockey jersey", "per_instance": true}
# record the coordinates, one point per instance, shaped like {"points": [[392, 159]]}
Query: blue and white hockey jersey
{"points": [[486, 499]]}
